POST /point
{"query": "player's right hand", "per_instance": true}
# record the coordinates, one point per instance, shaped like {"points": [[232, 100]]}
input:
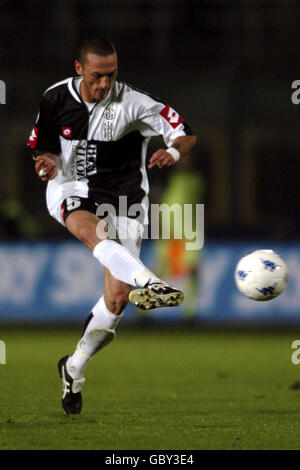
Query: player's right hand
{"points": [[45, 167]]}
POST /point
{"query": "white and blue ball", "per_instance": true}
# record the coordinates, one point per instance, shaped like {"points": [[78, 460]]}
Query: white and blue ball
{"points": [[261, 275]]}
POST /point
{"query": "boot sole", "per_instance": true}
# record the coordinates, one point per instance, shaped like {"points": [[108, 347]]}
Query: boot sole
{"points": [[146, 299]]}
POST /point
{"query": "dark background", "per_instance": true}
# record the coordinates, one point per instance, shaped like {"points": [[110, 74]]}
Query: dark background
{"points": [[227, 67]]}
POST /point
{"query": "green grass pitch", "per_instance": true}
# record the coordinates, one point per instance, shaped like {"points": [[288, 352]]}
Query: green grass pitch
{"points": [[153, 389]]}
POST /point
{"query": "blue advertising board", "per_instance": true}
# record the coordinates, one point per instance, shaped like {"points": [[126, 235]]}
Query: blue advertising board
{"points": [[61, 281]]}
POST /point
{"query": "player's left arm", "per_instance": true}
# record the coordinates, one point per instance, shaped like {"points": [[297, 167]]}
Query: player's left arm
{"points": [[168, 157]]}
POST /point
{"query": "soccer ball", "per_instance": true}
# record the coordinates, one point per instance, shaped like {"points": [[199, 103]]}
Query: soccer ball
{"points": [[261, 275]]}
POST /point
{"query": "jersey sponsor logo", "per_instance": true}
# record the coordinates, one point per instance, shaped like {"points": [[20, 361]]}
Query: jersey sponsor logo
{"points": [[66, 132], [173, 118], [33, 137], [84, 160]]}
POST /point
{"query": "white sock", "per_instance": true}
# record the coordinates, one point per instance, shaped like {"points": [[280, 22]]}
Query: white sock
{"points": [[99, 332], [122, 264]]}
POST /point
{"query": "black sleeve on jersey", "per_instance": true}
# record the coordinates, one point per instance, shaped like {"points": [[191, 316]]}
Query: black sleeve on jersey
{"points": [[47, 131]]}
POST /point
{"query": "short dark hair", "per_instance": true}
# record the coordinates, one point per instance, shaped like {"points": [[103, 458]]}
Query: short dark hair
{"points": [[98, 46]]}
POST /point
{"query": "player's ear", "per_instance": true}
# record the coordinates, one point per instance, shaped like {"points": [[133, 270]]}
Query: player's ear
{"points": [[78, 67]]}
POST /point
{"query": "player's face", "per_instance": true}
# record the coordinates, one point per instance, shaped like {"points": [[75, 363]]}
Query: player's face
{"points": [[99, 74]]}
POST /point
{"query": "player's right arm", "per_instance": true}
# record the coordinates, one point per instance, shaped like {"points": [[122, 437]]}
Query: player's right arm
{"points": [[43, 143]]}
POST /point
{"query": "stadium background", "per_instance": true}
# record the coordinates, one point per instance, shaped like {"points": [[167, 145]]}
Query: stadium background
{"points": [[222, 373], [228, 68]]}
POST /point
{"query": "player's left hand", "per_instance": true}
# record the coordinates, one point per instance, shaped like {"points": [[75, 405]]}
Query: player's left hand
{"points": [[161, 158]]}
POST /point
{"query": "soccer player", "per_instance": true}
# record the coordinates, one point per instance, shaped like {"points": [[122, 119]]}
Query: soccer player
{"points": [[89, 143]]}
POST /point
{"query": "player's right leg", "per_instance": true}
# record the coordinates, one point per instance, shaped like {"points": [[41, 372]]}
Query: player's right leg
{"points": [[101, 324]]}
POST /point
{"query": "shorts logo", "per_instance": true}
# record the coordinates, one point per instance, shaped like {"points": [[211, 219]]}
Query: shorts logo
{"points": [[173, 118], [73, 203], [66, 131], [33, 137]]}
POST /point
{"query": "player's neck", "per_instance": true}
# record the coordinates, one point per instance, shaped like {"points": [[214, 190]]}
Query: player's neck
{"points": [[85, 95]]}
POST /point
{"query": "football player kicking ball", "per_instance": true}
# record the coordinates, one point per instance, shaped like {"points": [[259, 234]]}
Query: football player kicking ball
{"points": [[89, 143]]}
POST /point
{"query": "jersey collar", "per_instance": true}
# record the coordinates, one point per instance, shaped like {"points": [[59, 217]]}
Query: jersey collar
{"points": [[74, 92]]}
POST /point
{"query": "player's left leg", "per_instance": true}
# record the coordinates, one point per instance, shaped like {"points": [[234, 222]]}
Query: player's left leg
{"points": [[99, 331]]}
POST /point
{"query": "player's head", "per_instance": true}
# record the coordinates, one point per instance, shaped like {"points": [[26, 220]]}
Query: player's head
{"points": [[97, 63]]}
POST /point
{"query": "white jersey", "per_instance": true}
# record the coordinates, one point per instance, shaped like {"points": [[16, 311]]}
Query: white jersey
{"points": [[101, 148]]}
